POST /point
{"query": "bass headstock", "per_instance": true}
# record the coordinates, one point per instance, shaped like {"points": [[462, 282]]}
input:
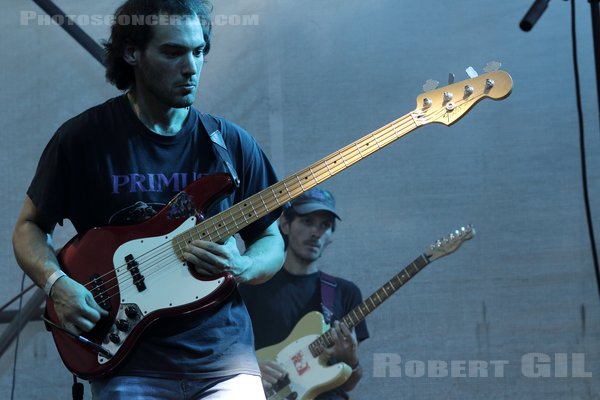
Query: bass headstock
{"points": [[448, 104]]}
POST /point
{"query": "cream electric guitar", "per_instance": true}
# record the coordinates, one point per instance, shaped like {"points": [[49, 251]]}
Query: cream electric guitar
{"points": [[301, 354]]}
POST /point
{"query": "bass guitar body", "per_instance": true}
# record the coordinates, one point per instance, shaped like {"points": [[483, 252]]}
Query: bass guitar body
{"points": [[137, 274]]}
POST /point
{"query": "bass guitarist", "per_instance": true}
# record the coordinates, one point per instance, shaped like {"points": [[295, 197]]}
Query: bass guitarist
{"points": [[120, 163]]}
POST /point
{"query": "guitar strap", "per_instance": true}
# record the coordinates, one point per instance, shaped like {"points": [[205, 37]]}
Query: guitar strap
{"points": [[211, 125], [328, 285]]}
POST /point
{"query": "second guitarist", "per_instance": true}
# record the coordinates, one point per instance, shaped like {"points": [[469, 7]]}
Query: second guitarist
{"points": [[276, 306]]}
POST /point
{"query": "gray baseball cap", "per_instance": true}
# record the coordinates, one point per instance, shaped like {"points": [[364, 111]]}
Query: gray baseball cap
{"points": [[315, 199]]}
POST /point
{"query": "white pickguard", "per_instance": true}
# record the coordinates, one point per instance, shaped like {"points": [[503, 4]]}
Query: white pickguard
{"points": [[168, 283], [167, 278], [305, 370]]}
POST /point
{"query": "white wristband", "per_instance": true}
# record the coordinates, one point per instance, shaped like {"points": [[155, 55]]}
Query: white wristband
{"points": [[52, 280]]}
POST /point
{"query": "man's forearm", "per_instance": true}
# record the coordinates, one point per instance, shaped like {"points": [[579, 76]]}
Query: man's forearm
{"points": [[34, 252], [267, 256]]}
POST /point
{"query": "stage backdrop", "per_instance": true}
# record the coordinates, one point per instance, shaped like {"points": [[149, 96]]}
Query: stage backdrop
{"points": [[512, 314]]}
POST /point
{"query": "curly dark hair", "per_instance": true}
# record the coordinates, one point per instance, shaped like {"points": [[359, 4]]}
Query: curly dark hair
{"points": [[131, 27]]}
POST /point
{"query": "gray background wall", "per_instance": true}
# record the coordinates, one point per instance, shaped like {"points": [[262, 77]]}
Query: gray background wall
{"points": [[307, 78]]}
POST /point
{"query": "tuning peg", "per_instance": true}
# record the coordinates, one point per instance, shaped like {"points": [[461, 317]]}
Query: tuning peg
{"points": [[430, 84], [471, 230], [471, 72], [492, 66], [451, 78]]}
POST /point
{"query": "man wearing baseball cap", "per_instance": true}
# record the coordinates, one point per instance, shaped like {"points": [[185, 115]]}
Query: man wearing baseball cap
{"points": [[275, 307]]}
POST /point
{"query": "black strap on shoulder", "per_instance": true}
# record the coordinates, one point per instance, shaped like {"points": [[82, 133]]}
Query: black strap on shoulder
{"points": [[211, 126], [328, 285]]}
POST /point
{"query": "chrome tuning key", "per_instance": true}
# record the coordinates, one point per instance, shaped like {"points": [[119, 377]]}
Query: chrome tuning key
{"points": [[451, 78], [471, 72]]}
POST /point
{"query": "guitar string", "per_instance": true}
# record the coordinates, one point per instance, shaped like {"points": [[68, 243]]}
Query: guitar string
{"points": [[354, 144], [146, 269], [354, 152], [384, 292], [350, 152], [395, 282]]}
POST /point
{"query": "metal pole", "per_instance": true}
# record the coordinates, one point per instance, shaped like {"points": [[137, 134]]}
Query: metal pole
{"points": [[30, 311]]}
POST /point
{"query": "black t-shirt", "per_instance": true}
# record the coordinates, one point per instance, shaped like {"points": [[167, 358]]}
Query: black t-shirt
{"points": [[278, 304], [104, 167]]}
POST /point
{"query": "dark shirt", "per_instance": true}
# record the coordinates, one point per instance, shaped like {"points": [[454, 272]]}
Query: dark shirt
{"points": [[104, 167]]}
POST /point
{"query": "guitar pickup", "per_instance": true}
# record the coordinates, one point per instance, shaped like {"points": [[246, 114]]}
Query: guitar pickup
{"points": [[282, 383], [282, 390], [133, 268]]}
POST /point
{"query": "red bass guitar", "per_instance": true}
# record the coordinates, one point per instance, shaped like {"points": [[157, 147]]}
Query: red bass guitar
{"points": [[138, 274]]}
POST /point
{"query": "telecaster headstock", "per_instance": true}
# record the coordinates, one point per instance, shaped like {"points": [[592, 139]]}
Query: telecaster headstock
{"points": [[450, 243]]}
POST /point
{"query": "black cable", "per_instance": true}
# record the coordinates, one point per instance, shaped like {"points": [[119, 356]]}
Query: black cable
{"points": [[595, 9], [17, 297], [14, 372], [77, 389], [588, 212]]}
